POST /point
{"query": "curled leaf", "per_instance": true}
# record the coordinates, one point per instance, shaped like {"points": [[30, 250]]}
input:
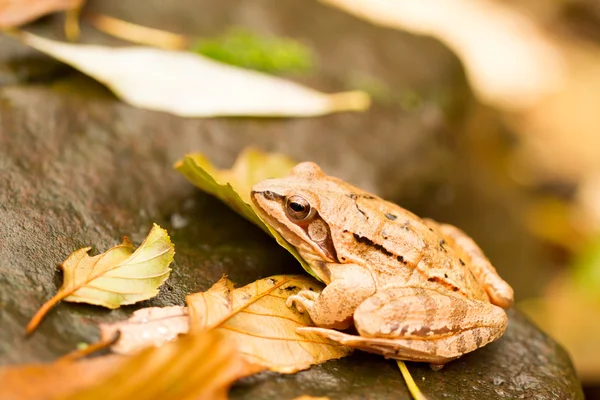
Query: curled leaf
{"points": [[256, 318], [190, 85], [233, 186], [117, 277]]}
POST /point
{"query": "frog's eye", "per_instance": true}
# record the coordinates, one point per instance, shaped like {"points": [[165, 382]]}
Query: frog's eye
{"points": [[298, 208]]}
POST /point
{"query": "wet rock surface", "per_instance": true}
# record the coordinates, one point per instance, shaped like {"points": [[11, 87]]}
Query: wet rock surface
{"points": [[78, 168]]}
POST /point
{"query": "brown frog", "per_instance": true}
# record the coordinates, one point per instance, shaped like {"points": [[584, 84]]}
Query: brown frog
{"points": [[414, 289]]}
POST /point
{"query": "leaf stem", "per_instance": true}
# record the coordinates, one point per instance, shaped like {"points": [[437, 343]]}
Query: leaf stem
{"points": [[41, 313], [412, 386], [92, 348], [250, 302]]}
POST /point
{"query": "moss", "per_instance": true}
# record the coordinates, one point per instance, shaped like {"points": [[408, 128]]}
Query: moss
{"points": [[269, 54]]}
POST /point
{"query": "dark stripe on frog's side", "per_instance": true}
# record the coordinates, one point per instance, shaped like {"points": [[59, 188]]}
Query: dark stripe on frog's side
{"points": [[369, 242], [443, 282]]}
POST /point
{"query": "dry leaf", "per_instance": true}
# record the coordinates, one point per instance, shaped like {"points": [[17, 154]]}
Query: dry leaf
{"points": [[15, 13], [195, 367], [52, 381], [152, 326], [233, 186], [190, 85], [117, 277], [256, 318]]}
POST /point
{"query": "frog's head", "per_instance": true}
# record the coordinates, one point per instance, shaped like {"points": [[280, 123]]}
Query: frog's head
{"points": [[291, 206]]}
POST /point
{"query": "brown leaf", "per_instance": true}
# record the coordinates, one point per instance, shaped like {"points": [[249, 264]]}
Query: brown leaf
{"points": [[256, 318], [50, 381], [15, 13], [195, 367]]}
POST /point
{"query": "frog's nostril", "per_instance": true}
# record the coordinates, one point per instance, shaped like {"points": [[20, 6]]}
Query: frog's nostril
{"points": [[269, 195]]}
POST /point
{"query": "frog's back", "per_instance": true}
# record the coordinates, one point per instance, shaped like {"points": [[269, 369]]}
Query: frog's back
{"points": [[400, 248]]}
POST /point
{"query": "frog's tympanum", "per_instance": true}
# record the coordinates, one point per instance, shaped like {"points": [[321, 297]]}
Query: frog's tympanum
{"points": [[412, 288]]}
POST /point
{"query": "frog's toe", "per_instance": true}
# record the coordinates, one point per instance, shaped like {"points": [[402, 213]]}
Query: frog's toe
{"points": [[303, 301]]}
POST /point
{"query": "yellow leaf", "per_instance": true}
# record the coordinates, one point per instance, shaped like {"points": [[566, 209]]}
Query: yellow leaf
{"points": [[195, 367], [233, 186], [190, 85], [256, 319], [117, 277]]}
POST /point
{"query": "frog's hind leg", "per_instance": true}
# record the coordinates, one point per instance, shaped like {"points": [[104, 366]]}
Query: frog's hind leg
{"points": [[500, 292], [421, 325]]}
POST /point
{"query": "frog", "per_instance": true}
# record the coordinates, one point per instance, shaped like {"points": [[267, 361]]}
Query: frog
{"points": [[398, 285]]}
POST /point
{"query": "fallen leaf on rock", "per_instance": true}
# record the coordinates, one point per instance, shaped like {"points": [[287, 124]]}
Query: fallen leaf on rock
{"points": [[256, 319], [117, 277], [233, 186], [190, 85], [195, 367], [152, 326], [16, 13]]}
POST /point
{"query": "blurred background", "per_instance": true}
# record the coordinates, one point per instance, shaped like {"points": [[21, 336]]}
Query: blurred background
{"points": [[484, 114]]}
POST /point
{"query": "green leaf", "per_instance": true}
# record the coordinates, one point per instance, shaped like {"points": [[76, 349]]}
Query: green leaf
{"points": [[117, 277], [233, 186]]}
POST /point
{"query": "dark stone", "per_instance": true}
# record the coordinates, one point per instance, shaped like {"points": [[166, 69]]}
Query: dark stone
{"points": [[524, 364], [78, 168]]}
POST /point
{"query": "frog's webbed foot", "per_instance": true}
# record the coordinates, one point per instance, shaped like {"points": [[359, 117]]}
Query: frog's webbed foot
{"points": [[304, 300]]}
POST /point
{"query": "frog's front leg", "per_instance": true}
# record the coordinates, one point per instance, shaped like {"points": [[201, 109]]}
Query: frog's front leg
{"points": [[421, 325], [350, 285]]}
